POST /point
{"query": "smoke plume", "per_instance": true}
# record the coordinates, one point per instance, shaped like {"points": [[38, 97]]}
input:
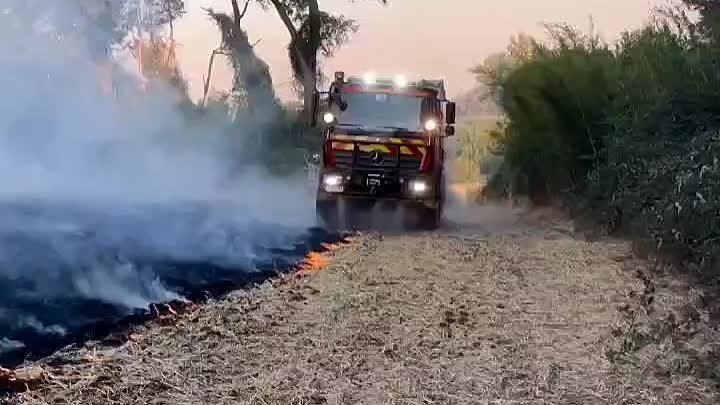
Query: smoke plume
{"points": [[109, 204]]}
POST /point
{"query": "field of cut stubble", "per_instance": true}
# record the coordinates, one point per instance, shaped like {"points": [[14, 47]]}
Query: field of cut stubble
{"points": [[508, 308]]}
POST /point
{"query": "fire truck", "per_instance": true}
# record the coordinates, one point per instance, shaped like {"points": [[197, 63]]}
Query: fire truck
{"points": [[383, 141]]}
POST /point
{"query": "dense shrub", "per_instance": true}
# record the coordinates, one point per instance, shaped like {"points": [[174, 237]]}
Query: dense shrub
{"points": [[556, 105], [630, 134]]}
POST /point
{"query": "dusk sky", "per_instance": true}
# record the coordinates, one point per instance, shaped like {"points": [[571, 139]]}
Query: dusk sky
{"points": [[438, 39]]}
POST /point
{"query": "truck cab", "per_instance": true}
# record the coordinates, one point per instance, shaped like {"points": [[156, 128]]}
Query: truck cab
{"points": [[384, 140]]}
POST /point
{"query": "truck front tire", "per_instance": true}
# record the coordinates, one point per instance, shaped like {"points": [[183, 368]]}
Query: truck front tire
{"points": [[429, 218], [421, 216]]}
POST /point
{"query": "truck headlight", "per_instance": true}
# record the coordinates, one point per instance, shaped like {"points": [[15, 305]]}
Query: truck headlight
{"points": [[431, 125], [333, 183], [418, 186]]}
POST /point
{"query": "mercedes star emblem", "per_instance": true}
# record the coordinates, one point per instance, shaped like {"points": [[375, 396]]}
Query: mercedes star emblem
{"points": [[376, 157]]}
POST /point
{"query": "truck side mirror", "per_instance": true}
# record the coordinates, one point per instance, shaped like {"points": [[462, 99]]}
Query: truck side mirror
{"points": [[335, 97], [449, 130], [315, 107], [450, 113]]}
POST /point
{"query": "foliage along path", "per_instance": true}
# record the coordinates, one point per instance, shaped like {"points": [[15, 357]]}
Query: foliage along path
{"points": [[514, 308]]}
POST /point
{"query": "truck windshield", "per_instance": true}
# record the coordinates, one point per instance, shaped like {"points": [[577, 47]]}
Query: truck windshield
{"points": [[380, 110]]}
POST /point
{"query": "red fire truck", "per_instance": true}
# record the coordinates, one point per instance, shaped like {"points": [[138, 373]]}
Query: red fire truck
{"points": [[383, 141]]}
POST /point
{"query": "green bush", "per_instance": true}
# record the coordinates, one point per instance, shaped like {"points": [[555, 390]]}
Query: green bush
{"points": [[630, 134], [556, 104]]}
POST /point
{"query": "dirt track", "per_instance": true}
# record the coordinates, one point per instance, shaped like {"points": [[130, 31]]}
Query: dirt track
{"points": [[510, 309]]}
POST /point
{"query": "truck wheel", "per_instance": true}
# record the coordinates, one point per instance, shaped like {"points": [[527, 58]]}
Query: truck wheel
{"points": [[429, 218], [422, 217]]}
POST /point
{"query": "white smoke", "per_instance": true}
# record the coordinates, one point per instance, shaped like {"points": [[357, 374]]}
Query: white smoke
{"points": [[7, 345], [61, 138], [34, 324], [82, 172], [122, 284]]}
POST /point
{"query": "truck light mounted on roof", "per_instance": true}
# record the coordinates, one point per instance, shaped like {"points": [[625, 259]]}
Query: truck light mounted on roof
{"points": [[400, 81], [369, 78]]}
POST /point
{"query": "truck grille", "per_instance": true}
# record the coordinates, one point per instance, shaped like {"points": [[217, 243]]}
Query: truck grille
{"points": [[389, 161], [404, 164], [343, 159], [409, 164]]}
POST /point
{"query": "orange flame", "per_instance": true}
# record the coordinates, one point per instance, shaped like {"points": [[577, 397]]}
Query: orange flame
{"points": [[313, 262], [329, 247]]}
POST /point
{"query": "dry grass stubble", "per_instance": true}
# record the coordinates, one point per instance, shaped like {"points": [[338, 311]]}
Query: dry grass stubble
{"points": [[462, 316]]}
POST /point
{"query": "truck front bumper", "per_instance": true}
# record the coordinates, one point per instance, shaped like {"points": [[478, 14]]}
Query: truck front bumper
{"points": [[370, 187]]}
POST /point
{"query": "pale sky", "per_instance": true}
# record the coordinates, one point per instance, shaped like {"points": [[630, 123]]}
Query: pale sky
{"points": [[430, 38]]}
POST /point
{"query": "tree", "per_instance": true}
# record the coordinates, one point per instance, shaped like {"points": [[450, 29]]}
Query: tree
{"points": [[149, 13], [311, 30], [498, 66], [491, 72], [709, 11], [252, 77], [159, 64], [110, 22]]}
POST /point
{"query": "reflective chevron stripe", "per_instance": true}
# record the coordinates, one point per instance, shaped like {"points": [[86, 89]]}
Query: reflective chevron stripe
{"points": [[342, 146], [372, 147], [376, 139], [404, 149]]}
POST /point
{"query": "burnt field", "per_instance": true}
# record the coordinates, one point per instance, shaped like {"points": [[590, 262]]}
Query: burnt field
{"points": [[71, 272]]}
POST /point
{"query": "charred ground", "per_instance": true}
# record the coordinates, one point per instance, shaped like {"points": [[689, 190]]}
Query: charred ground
{"points": [[71, 272]]}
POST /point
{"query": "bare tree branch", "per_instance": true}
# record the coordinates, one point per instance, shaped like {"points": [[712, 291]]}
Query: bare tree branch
{"points": [[247, 4], [206, 86], [237, 13], [285, 17]]}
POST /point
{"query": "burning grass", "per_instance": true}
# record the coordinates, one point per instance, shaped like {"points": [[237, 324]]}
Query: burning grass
{"points": [[23, 379]]}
